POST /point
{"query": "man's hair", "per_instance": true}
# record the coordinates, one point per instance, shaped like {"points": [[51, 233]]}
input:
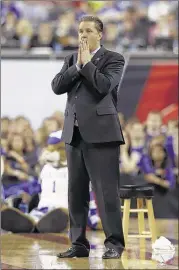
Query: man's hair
{"points": [[98, 23]]}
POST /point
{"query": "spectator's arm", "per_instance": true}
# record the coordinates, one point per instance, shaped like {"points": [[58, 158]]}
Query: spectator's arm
{"points": [[17, 173], [129, 162], [170, 176], [21, 160], [153, 179], [170, 149]]}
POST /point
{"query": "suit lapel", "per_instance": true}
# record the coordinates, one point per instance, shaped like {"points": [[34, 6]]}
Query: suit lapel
{"points": [[98, 55], [75, 56]]}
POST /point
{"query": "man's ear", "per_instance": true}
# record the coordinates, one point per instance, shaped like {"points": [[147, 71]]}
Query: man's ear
{"points": [[100, 35]]}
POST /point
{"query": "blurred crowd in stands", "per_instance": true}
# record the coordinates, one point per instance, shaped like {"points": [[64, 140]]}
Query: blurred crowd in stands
{"points": [[150, 150], [129, 25]]}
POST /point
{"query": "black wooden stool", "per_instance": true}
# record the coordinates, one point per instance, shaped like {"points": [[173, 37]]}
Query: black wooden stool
{"points": [[141, 194]]}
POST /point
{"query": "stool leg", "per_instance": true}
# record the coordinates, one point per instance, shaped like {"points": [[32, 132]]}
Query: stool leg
{"points": [[151, 218], [125, 220], [141, 227]]}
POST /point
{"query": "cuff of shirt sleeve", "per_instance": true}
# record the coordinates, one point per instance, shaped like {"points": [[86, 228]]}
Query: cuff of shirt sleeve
{"points": [[78, 68]]}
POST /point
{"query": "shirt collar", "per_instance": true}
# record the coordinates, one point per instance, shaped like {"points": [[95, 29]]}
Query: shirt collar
{"points": [[93, 53]]}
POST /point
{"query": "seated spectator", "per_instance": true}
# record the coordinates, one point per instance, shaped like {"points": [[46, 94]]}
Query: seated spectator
{"points": [[24, 32], [50, 124], [31, 151], [44, 36], [133, 151], [134, 29], [111, 34], [16, 33], [5, 121], [168, 140], [12, 127], [59, 116], [157, 168], [4, 143], [40, 137], [153, 125], [22, 124], [19, 178], [67, 31], [9, 37], [165, 32]]}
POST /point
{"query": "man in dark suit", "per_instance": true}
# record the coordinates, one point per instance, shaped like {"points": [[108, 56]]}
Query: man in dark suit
{"points": [[92, 135]]}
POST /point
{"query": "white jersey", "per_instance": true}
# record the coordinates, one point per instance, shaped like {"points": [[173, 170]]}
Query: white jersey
{"points": [[54, 184]]}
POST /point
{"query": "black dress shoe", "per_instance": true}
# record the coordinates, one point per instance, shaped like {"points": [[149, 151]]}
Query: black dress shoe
{"points": [[111, 254], [74, 252]]}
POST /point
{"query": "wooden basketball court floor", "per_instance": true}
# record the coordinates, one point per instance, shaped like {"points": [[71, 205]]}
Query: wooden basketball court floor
{"points": [[38, 251]]}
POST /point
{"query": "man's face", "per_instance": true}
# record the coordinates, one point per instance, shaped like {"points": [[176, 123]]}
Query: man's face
{"points": [[87, 30]]}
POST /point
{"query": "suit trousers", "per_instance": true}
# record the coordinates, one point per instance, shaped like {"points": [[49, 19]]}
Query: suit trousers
{"points": [[98, 163]]}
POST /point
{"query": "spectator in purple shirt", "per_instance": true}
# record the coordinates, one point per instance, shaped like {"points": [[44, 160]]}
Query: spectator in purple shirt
{"points": [[19, 178], [133, 150], [157, 168]]}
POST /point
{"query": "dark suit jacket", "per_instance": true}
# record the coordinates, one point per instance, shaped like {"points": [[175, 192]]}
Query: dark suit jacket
{"points": [[92, 96]]}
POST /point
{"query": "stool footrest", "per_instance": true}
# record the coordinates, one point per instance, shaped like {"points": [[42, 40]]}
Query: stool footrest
{"points": [[146, 232], [140, 235], [136, 210]]}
